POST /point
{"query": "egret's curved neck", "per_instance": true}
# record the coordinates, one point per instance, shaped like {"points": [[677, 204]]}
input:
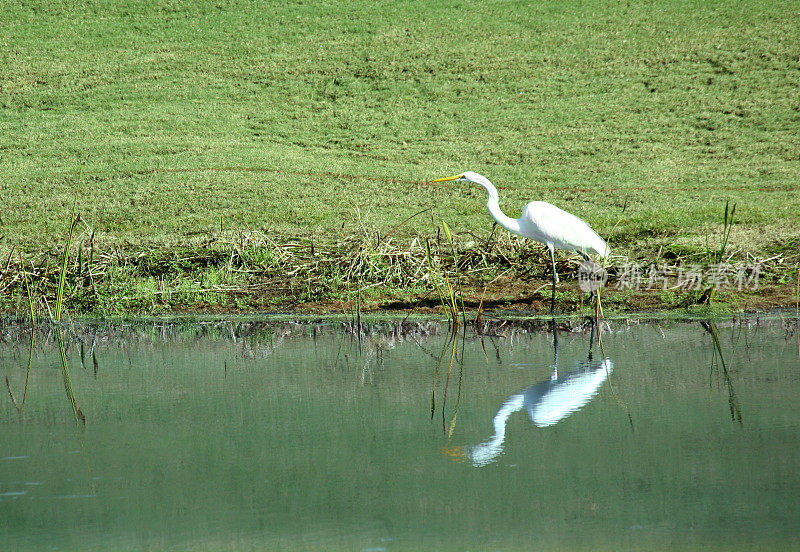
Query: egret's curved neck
{"points": [[491, 448], [493, 206]]}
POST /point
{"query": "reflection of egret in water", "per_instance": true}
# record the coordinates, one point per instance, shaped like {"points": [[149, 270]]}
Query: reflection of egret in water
{"points": [[547, 402]]}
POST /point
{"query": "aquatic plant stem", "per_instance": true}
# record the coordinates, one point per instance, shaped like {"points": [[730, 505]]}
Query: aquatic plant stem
{"points": [[62, 277], [733, 403], [460, 298], [79, 417], [718, 255], [32, 341], [436, 375], [430, 271], [447, 379], [27, 290]]}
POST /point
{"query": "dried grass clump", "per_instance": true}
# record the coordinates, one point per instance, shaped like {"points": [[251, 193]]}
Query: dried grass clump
{"points": [[235, 267], [369, 261], [243, 262]]}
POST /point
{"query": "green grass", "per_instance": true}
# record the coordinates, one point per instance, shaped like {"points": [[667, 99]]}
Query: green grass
{"points": [[341, 110]]}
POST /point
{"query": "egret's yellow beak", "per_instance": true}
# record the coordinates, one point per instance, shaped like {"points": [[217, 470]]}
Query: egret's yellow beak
{"points": [[448, 179]]}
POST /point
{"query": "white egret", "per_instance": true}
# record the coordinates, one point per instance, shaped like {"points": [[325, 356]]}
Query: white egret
{"points": [[547, 402], [543, 222]]}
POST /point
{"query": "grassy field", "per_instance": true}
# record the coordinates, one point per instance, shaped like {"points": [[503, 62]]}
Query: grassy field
{"points": [[216, 137]]}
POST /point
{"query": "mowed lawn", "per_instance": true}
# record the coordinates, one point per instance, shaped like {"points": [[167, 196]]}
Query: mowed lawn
{"points": [[311, 119]]}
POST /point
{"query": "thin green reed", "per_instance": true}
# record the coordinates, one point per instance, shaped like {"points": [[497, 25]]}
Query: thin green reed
{"points": [[453, 300], [429, 257], [33, 331], [727, 224], [79, 417], [27, 289], [717, 255], [62, 277], [718, 361]]}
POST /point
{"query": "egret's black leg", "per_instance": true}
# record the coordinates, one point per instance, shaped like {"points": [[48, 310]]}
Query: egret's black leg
{"points": [[588, 260], [491, 235], [553, 296]]}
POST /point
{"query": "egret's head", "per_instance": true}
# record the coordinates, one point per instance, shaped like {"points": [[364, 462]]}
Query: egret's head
{"points": [[467, 176]]}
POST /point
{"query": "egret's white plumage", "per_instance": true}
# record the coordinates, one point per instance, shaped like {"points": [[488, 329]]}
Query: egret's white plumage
{"points": [[554, 227], [543, 222], [547, 403]]}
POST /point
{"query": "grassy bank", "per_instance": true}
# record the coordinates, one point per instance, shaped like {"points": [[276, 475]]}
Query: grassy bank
{"points": [[218, 142]]}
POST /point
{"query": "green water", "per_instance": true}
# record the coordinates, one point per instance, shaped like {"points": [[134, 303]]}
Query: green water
{"points": [[279, 436]]}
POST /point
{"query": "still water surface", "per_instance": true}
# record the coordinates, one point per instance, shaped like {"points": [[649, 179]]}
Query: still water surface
{"points": [[282, 436]]}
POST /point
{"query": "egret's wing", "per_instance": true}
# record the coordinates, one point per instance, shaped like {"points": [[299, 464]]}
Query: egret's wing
{"points": [[568, 395], [547, 223]]}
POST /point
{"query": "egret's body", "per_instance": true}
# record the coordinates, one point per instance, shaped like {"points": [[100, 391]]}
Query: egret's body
{"points": [[543, 222]]}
